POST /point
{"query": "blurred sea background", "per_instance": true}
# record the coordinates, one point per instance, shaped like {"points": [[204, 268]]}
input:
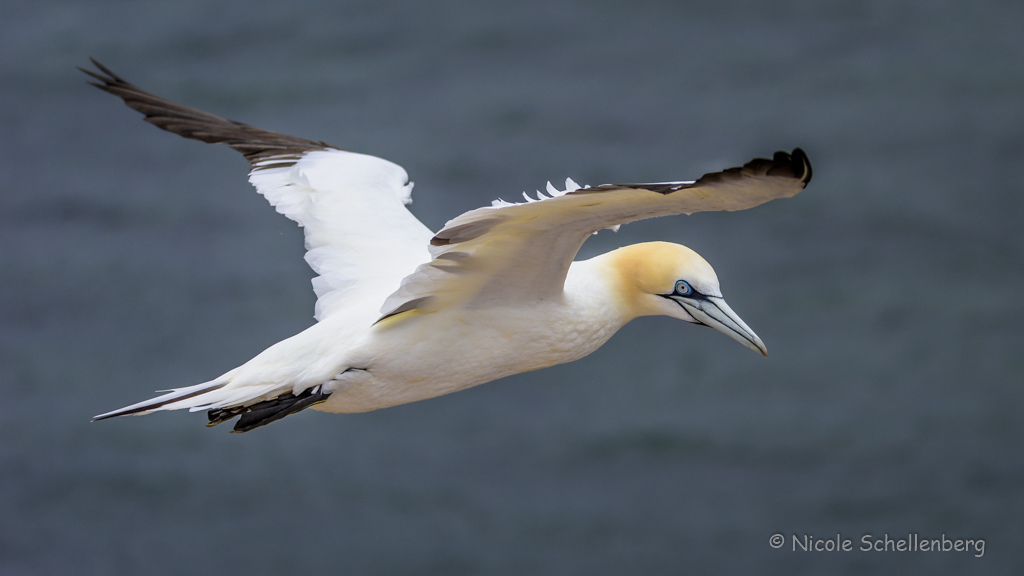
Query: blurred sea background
{"points": [[888, 293]]}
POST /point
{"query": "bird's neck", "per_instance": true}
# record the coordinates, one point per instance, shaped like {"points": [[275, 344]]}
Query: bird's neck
{"points": [[594, 290], [609, 285]]}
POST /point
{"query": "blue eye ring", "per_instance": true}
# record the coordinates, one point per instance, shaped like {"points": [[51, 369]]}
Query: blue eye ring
{"points": [[683, 288]]}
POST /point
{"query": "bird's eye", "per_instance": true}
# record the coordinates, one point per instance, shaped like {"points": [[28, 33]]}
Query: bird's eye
{"points": [[683, 289]]}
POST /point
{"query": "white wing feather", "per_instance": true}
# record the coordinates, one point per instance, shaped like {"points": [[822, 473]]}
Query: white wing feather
{"points": [[360, 237]]}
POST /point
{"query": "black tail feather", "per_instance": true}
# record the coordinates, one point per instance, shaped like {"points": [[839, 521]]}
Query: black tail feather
{"points": [[263, 413]]}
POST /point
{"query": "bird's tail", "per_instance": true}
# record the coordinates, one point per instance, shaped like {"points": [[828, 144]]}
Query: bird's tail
{"points": [[257, 405], [188, 397]]}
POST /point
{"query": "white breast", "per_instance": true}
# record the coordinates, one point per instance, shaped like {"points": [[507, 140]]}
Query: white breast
{"points": [[425, 355]]}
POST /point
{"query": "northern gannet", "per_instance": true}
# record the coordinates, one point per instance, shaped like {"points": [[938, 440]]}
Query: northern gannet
{"points": [[404, 314]]}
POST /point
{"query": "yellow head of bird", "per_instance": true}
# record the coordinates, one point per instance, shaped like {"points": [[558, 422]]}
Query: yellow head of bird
{"points": [[661, 278]]}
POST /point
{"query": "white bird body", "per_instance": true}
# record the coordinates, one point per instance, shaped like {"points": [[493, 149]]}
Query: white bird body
{"points": [[403, 359], [405, 314], [428, 355]]}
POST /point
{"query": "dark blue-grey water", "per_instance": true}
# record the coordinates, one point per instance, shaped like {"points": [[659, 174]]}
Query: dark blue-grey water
{"points": [[888, 292]]}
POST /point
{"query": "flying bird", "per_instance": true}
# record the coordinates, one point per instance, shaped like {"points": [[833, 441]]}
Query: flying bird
{"points": [[404, 314]]}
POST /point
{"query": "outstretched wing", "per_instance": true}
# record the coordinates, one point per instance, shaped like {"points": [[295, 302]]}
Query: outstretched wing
{"points": [[360, 238], [515, 253]]}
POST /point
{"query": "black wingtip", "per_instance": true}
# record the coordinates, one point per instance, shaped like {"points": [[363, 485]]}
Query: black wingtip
{"points": [[105, 70], [802, 165], [104, 81], [91, 74], [253, 143]]}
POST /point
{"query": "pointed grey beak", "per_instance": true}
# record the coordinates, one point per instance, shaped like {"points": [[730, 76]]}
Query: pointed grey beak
{"points": [[716, 313]]}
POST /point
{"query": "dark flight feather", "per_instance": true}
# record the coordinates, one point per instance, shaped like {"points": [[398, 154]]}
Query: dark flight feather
{"points": [[254, 143]]}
